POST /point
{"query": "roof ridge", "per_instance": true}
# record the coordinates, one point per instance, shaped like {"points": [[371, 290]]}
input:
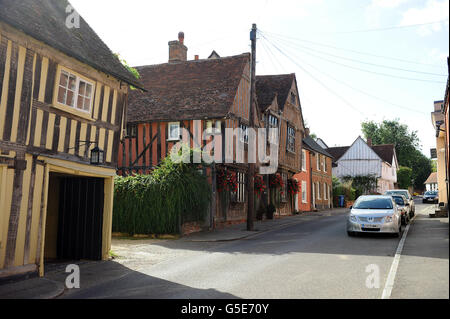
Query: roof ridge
{"points": [[193, 61]]}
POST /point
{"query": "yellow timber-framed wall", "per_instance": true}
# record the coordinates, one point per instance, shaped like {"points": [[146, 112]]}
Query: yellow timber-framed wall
{"points": [[41, 138]]}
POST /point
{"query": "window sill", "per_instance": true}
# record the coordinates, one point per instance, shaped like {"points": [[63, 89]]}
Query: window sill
{"points": [[73, 111], [173, 139]]}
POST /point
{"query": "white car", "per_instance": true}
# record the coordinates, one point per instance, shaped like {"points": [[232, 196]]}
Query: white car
{"points": [[374, 214], [405, 192]]}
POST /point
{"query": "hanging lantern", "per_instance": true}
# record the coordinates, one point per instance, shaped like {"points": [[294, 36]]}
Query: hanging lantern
{"points": [[97, 156]]}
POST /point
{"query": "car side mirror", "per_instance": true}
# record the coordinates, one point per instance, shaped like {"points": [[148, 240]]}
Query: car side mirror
{"points": [[351, 207]]}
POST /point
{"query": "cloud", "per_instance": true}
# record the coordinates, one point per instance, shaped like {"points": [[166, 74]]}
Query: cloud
{"points": [[387, 3], [375, 11], [433, 11]]}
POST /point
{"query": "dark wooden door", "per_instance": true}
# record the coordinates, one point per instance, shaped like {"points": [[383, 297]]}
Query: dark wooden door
{"points": [[80, 218]]}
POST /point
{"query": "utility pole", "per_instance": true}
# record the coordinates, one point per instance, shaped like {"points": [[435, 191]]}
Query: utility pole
{"points": [[251, 166]]}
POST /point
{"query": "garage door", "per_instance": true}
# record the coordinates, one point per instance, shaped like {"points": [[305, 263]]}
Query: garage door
{"points": [[80, 218]]}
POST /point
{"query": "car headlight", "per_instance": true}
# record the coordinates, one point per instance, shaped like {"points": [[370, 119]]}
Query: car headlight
{"points": [[388, 219], [352, 218]]}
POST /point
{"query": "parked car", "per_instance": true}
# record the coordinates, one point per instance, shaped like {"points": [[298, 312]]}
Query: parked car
{"points": [[374, 214], [430, 196], [412, 207], [404, 207]]}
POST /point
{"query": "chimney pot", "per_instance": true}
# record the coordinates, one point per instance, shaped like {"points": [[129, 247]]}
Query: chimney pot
{"points": [[307, 131], [196, 57], [181, 37]]}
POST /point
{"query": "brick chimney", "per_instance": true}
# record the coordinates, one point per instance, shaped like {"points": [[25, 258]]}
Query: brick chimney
{"points": [[177, 49], [369, 142], [196, 57], [306, 131]]}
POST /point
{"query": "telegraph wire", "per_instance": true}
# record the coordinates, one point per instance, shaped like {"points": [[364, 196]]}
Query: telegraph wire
{"points": [[284, 37], [373, 72], [361, 91], [313, 77], [359, 61]]}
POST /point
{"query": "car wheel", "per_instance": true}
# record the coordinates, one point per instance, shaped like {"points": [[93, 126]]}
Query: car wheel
{"points": [[351, 234], [404, 220], [423, 201], [399, 231]]}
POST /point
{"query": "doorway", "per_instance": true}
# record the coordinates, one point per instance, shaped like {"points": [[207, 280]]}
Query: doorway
{"points": [[74, 218]]}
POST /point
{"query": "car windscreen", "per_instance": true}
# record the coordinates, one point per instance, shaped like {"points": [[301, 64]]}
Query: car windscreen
{"points": [[399, 193], [398, 200], [430, 193], [373, 203]]}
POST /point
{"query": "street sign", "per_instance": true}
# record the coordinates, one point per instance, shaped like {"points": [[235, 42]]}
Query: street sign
{"points": [[433, 153]]}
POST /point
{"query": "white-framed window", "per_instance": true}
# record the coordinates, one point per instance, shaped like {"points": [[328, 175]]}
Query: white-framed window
{"points": [[325, 168], [318, 190], [318, 161], [213, 127], [273, 123], [303, 160], [244, 135], [239, 195], [325, 192], [304, 193], [173, 131], [290, 145], [75, 92]]}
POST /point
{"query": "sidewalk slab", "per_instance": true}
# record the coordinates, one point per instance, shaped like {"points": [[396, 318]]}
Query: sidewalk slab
{"points": [[35, 288]]}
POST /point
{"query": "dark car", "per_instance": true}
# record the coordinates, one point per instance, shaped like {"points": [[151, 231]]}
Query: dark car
{"points": [[430, 196]]}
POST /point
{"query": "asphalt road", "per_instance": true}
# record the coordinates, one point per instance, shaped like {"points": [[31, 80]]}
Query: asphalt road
{"points": [[312, 259]]}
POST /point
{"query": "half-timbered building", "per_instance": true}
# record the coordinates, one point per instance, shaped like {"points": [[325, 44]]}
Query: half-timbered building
{"points": [[198, 95], [62, 99], [280, 108]]}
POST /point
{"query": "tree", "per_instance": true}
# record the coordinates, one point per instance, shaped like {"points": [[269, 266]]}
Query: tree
{"points": [[407, 146], [393, 132], [404, 177]]}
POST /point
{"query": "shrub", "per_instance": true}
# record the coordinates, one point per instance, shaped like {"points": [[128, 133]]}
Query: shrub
{"points": [[159, 203]]}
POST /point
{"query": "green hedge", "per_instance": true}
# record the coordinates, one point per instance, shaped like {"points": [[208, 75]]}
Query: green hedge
{"points": [[159, 203]]}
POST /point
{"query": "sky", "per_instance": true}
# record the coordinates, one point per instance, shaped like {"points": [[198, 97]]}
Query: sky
{"points": [[354, 60]]}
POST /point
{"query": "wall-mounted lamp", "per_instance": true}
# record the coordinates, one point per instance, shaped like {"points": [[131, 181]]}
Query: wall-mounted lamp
{"points": [[438, 128], [97, 155]]}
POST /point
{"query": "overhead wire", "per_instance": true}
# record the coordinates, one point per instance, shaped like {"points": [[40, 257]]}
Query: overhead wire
{"points": [[313, 77], [292, 39], [361, 91], [374, 72]]}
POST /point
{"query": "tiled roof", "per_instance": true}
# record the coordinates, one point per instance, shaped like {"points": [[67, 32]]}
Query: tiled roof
{"points": [[267, 86], [338, 151], [45, 21], [311, 144], [432, 179], [195, 89], [385, 152]]}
